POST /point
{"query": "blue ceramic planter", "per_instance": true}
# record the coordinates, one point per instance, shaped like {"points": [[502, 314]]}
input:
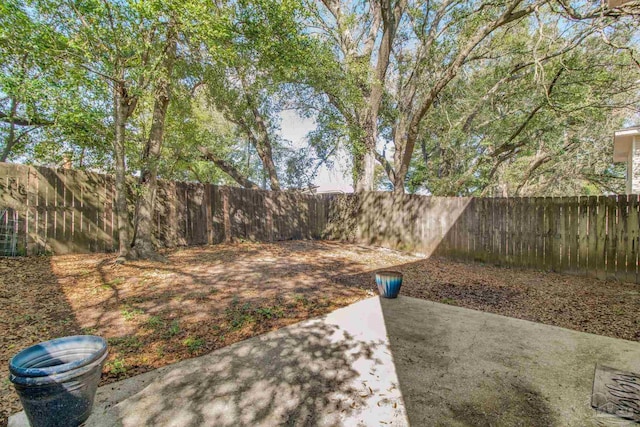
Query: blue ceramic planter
{"points": [[389, 283], [57, 380]]}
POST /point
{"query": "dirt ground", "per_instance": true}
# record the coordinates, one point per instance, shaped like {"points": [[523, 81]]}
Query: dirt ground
{"points": [[204, 298], [574, 302], [154, 314]]}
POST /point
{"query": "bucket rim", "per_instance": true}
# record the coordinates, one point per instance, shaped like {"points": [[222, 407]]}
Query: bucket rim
{"points": [[389, 273], [17, 363]]}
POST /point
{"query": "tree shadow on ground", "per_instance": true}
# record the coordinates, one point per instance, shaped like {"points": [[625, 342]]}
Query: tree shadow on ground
{"points": [[213, 277], [302, 375], [205, 298], [34, 309], [218, 291]]}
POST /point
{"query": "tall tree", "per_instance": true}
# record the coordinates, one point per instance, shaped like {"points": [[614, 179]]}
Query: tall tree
{"points": [[403, 55], [143, 245], [535, 108], [116, 42], [41, 100], [268, 45], [362, 35]]}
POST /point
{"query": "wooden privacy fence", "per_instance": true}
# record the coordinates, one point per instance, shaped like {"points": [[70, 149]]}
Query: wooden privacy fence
{"points": [[64, 211], [595, 236], [410, 223]]}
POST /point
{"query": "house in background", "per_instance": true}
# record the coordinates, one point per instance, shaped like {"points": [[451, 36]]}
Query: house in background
{"points": [[626, 148]]}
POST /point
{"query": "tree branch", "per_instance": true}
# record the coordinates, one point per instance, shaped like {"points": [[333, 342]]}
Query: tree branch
{"points": [[24, 121], [509, 15], [228, 168]]}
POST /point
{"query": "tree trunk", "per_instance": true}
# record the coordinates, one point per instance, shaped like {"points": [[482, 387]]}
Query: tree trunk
{"points": [[121, 114], [260, 139], [401, 162], [398, 185], [266, 156], [364, 180], [144, 246], [263, 146], [365, 170]]}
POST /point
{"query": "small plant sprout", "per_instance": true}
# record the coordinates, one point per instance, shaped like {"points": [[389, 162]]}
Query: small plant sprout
{"points": [[193, 344]]}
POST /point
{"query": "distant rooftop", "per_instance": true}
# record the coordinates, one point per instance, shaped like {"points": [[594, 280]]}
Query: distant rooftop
{"points": [[622, 140]]}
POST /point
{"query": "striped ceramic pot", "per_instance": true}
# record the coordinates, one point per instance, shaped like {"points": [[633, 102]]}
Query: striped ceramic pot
{"points": [[389, 283]]}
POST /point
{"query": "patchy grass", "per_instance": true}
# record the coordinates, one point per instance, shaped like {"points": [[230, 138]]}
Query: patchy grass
{"points": [[173, 329], [130, 343], [116, 366], [240, 315], [193, 344], [154, 322], [130, 313], [154, 313]]}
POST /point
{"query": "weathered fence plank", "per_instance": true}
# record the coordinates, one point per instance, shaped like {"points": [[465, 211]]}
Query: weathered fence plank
{"points": [[553, 255], [572, 219], [583, 238], [621, 235], [634, 239], [611, 232]]}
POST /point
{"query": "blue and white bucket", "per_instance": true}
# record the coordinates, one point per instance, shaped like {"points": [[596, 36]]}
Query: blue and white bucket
{"points": [[389, 283]]}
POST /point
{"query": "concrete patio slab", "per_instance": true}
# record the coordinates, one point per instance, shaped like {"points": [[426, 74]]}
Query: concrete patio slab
{"points": [[461, 367], [380, 362]]}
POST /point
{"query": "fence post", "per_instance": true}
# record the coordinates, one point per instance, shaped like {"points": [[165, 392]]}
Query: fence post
{"points": [[226, 219]]}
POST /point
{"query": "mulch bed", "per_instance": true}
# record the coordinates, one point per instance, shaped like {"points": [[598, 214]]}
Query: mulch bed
{"points": [[575, 302], [155, 313]]}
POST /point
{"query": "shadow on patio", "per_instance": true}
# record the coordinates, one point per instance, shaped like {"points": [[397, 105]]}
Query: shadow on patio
{"points": [[461, 367], [450, 375], [331, 371]]}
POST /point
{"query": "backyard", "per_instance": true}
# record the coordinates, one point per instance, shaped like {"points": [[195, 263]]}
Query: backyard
{"points": [[204, 298], [212, 186]]}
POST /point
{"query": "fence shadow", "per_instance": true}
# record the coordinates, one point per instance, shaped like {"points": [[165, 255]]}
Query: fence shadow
{"points": [[596, 236], [568, 301], [442, 385], [34, 309]]}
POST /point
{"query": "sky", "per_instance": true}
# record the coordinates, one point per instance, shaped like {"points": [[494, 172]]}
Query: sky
{"points": [[295, 128]]}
